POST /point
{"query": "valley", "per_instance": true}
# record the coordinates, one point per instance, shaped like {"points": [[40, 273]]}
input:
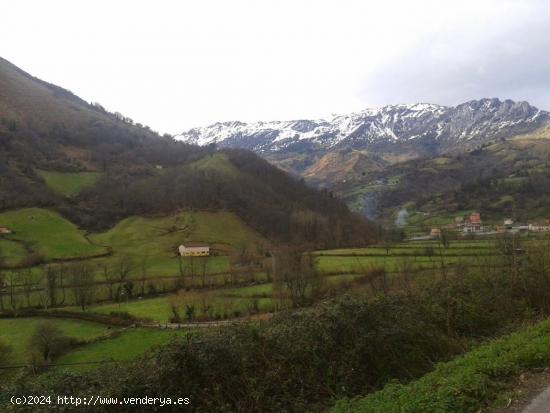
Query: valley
{"points": [[290, 266], [150, 287], [427, 156]]}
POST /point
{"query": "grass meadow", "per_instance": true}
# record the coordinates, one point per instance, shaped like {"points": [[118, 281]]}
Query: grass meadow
{"points": [[70, 183], [16, 333], [46, 233], [127, 345]]}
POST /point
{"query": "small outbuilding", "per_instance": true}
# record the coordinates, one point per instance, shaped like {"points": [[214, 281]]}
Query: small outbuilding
{"points": [[4, 230], [194, 249]]}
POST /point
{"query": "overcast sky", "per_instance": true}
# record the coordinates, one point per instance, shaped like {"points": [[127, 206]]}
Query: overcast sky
{"points": [[175, 64]]}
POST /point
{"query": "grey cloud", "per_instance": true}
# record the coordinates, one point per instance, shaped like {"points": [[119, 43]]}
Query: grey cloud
{"points": [[509, 61]]}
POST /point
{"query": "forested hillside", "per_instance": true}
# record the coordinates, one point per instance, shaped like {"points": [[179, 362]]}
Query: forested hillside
{"points": [[97, 167]]}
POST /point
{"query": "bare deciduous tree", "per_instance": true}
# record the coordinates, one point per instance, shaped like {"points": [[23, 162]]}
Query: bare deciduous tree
{"points": [[82, 284], [297, 272], [123, 268], [27, 284], [11, 285], [48, 341]]}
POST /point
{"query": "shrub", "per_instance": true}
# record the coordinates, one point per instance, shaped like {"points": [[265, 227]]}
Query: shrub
{"points": [[48, 342]]}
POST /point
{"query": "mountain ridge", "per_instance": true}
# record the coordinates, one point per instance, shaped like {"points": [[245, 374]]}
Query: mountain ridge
{"points": [[425, 124]]}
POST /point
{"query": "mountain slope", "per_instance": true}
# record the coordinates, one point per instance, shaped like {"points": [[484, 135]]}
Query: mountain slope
{"points": [[24, 99], [503, 178], [337, 166], [382, 158], [47, 131]]}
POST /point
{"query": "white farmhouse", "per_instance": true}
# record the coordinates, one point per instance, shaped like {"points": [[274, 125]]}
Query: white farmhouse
{"points": [[194, 249]]}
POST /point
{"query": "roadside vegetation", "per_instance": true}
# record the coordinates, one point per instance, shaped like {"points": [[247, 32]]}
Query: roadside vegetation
{"points": [[465, 384]]}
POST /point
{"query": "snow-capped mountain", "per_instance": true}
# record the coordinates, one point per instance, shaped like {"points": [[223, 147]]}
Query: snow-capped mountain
{"points": [[438, 128]]}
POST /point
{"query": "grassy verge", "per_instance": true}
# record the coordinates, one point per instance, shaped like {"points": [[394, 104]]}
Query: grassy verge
{"points": [[464, 384]]}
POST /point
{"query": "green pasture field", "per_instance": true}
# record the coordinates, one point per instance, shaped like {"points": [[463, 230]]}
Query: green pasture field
{"points": [[342, 264], [128, 345], [217, 303], [11, 252], [162, 234], [16, 332], [456, 248], [48, 234], [218, 162], [159, 265], [148, 245], [208, 305], [418, 254], [70, 183], [155, 240]]}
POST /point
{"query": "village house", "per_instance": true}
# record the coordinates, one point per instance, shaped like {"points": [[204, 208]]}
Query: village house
{"points": [[4, 230], [469, 223], [194, 249], [435, 233]]}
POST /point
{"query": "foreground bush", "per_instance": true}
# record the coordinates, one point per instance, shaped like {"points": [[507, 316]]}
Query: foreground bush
{"points": [[293, 363], [464, 384]]}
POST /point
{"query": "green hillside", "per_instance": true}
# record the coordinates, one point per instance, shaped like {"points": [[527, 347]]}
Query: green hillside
{"points": [[142, 236], [500, 179], [156, 239], [218, 162], [47, 233], [52, 136], [70, 183]]}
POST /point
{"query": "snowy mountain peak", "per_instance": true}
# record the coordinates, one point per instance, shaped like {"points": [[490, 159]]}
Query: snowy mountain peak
{"points": [[468, 123]]}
